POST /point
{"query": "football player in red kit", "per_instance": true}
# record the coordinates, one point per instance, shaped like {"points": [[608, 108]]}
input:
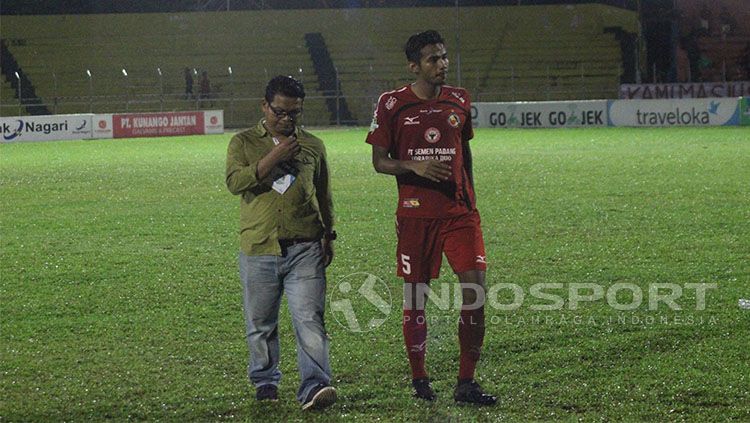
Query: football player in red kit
{"points": [[420, 133]]}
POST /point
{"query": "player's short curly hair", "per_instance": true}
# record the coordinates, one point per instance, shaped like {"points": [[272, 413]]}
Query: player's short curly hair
{"points": [[416, 43], [286, 86]]}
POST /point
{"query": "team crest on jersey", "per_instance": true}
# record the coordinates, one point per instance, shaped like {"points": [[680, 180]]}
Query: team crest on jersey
{"points": [[432, 135], [410, 203], [390, 103], [454, 120]]}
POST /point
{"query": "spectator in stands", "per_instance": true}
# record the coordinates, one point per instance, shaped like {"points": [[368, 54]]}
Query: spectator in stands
{"points": [[690, 44], [682, 62], [705, 19], [705, 67], [205, 87], [744, 61], [727, 23], [188, 84]]}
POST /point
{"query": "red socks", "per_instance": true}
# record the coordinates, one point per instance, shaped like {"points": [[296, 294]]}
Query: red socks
{"points": [[415, 338], [470, 338]]}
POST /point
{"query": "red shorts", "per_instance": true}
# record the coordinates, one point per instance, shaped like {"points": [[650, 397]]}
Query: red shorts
{"points": [[422, 242]]}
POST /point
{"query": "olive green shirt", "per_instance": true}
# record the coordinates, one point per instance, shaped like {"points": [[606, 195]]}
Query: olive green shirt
{"points": [[304, 211]]}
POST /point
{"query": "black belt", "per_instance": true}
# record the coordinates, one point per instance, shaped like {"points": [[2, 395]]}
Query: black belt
{"points": [[284, 243]]}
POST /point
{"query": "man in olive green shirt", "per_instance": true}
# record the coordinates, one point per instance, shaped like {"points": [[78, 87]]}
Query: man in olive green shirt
{"points": [[281, 174]]}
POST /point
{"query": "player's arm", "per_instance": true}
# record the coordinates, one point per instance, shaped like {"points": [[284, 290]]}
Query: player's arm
{"points": [[325, 204], [241, 174], [468, 164], [467, 133], [323, 192], [430, 169]]}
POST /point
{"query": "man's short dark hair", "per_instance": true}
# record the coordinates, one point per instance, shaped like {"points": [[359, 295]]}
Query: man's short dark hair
{"points": [[286, 86], [416, 43]]}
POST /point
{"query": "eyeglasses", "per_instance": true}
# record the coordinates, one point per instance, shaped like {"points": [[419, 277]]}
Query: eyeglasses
{"points": [[281, 113]]}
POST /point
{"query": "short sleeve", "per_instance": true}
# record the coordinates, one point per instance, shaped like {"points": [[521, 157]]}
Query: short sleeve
{"points": [[380, 130]]}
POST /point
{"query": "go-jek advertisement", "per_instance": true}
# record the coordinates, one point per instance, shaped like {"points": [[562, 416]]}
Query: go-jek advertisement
{"points": [[675, 112], [539, 114]]}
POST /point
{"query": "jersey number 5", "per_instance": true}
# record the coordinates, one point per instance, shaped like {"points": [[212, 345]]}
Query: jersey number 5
{"points": [[405, 265]]}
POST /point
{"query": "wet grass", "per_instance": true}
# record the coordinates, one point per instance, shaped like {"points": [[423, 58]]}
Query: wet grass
{"points": [[120, 299]]}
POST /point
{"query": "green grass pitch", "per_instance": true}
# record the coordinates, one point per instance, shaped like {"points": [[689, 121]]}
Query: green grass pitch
{"points": [[120, 297]]}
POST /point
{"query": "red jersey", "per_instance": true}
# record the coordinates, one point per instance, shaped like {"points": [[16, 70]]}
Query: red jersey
{"points": [[414, 129]]}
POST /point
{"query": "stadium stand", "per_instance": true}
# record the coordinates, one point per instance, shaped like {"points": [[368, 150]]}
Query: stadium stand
{"points": [[506, 53], [9, 100], [57, 58]]}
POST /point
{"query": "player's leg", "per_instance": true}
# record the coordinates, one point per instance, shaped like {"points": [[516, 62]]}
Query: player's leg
{"points": [[414, 328], [471, 326], [464, 247], [417, 263], [261, 298], [471, 331]]}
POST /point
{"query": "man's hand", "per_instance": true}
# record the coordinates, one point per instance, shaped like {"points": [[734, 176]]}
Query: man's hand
{"points": [[286, 149], [327, 251], [431, 169]]}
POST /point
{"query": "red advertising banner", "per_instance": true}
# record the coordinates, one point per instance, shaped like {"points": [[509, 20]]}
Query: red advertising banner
{"points": [[157, 124]]}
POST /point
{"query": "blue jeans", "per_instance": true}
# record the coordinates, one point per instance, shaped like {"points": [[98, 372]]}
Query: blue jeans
{"points": [[300, 274]]}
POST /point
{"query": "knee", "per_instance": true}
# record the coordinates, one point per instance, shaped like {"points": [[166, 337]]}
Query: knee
{"points": [[472, 277], [311, 333], [473, 291]]}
